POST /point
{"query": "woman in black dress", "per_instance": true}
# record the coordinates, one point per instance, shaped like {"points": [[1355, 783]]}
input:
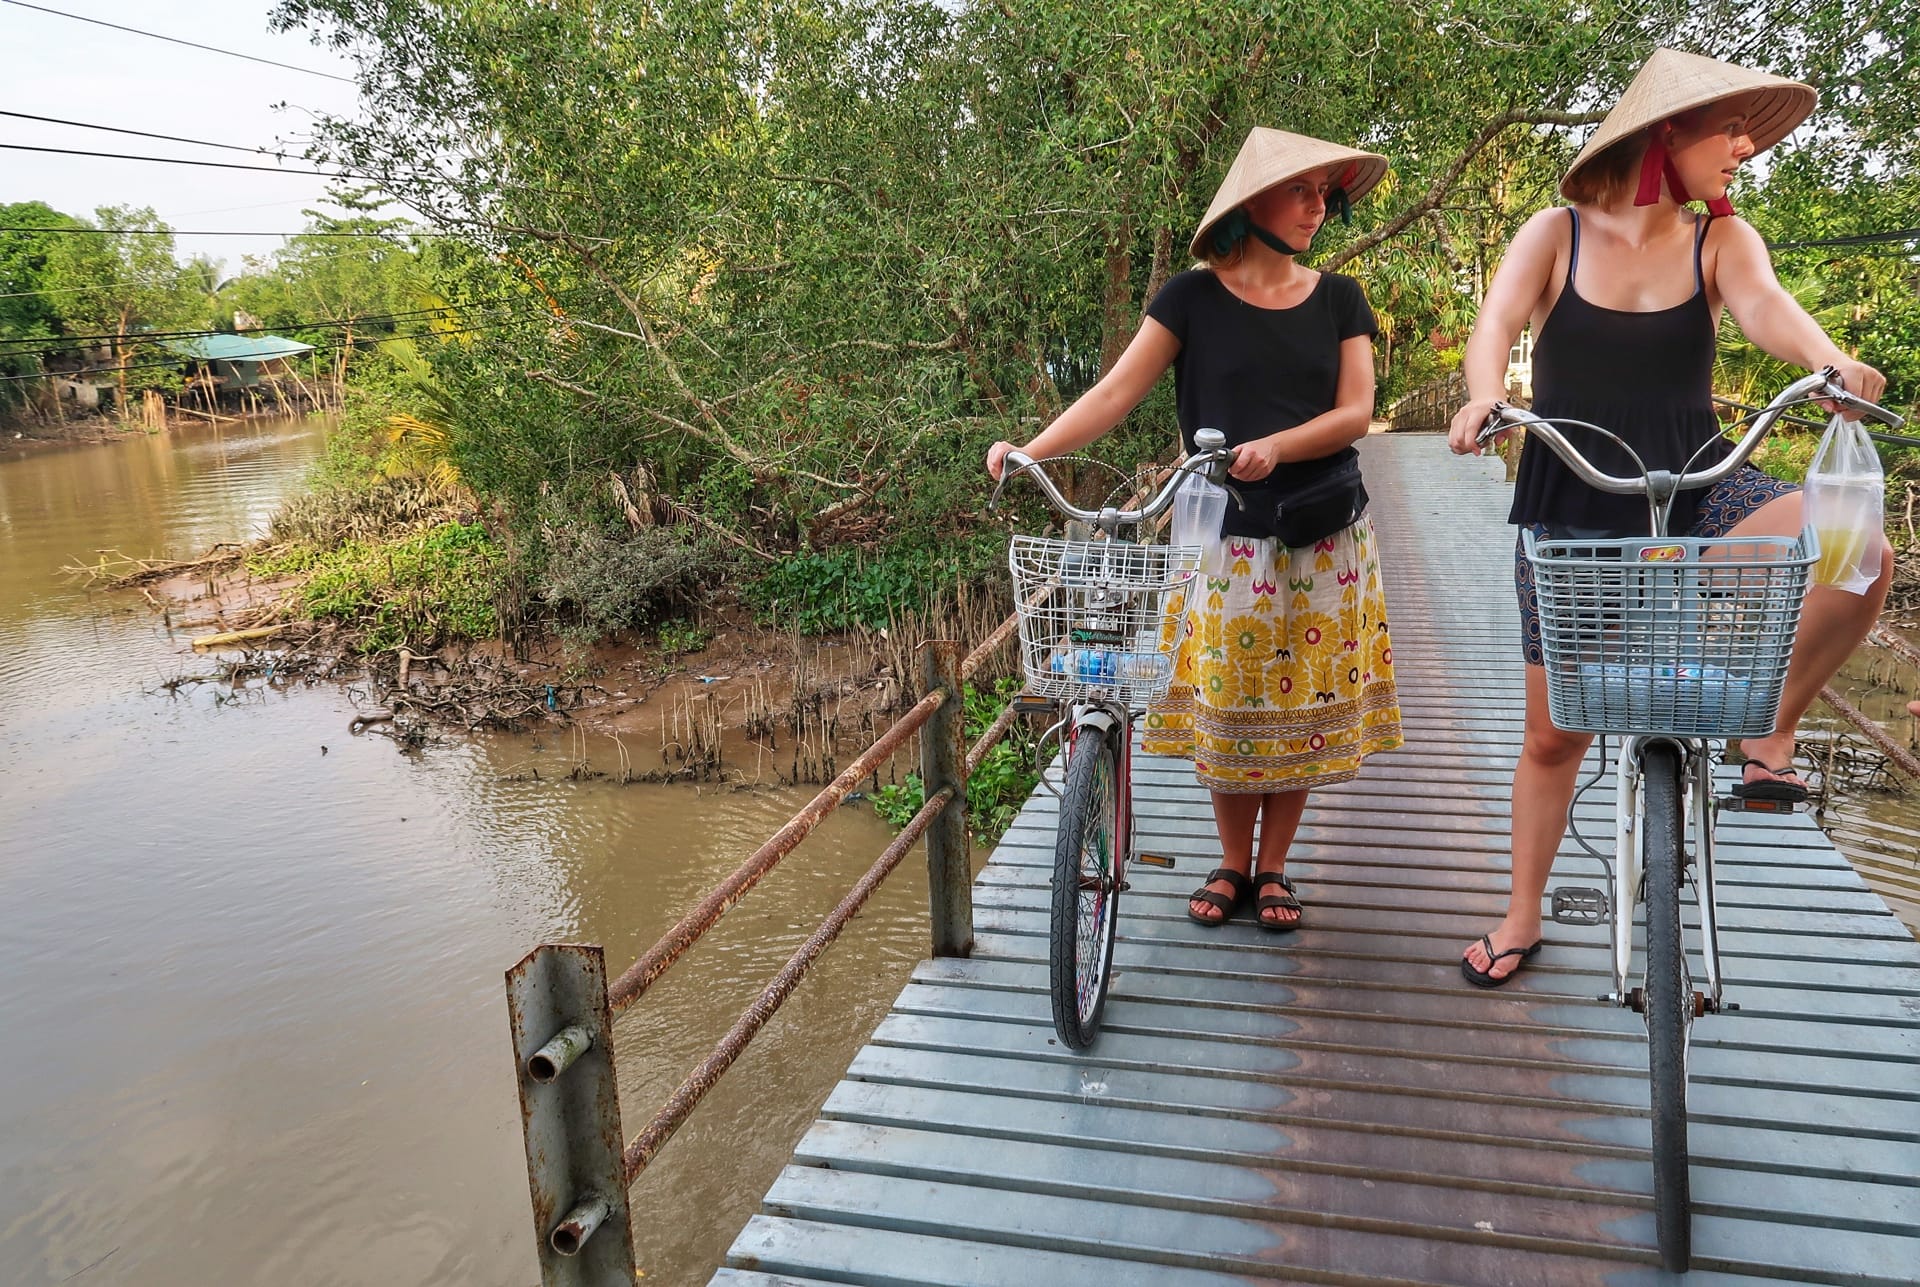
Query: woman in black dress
{"points": [[1624, 289]]}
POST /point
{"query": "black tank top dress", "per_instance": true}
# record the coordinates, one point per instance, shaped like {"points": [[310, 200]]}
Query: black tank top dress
{"points": [[1648, 377]]}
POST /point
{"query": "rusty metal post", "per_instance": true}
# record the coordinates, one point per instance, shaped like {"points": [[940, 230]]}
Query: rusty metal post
{"points": [[570, 1111], [943, 766]]}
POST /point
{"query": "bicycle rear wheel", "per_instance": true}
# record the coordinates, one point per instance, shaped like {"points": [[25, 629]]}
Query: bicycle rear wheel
{"points": [[1087, 860], [1667, 1000]]}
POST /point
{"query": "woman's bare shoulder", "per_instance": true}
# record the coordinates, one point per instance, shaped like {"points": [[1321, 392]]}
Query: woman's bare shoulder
{"points": [[1549, 227]]}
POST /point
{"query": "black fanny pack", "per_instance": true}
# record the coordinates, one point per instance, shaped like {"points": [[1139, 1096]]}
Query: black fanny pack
{"points": [[1320, 506]]}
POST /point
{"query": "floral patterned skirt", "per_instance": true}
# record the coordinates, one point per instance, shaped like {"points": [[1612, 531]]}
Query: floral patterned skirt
{"points": [[1284, 680]]}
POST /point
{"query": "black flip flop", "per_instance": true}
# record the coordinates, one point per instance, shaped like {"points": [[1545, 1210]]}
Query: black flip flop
{"points": [[1268, 902], [1485, 979], [1785, 786], [1242, 891]]}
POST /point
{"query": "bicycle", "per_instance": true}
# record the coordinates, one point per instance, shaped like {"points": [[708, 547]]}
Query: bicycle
{"points": [[1100, 621], [1671, 643]]}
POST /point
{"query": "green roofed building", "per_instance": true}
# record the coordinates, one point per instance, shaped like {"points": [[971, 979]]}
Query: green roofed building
{"points": [[231, 362]]}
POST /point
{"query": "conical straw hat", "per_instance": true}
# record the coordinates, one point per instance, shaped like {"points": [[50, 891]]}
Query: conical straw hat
{"points": [[1672, 82], [1269, 158]]}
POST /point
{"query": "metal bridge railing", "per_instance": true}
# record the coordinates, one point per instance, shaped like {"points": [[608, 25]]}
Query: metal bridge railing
{"points": [[562, 1009]]}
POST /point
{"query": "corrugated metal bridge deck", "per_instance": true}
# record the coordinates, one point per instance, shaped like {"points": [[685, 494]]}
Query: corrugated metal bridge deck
{"points": [[1337, 1105]]}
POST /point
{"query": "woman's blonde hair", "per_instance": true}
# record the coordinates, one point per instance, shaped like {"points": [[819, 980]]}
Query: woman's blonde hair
{"points": [[1609, 173], [1617, 169]]}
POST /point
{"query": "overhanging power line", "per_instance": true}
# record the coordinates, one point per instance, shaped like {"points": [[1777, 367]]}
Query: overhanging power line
{"points": [[215, 232], [145, 134], [175, 40], [176, 160]]}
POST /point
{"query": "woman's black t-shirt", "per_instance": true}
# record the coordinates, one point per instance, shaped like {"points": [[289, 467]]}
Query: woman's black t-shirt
{"points": [[1250, 372]]}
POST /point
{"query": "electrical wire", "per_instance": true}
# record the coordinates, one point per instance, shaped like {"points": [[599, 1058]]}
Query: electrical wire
{"points": [[1863, 239], [175, 40], [217, 232], [165, 138], [176, 160], [153, 281], [81, 290], [175, 362]]}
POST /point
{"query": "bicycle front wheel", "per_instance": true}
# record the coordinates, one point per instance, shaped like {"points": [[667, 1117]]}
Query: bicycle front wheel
{"points": [[1087, 860], [1668, 1003]]}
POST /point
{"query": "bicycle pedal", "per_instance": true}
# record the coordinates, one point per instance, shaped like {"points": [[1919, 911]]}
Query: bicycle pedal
{"points": [[1029, 704], [1742, 804], [1579, 905], [1155, 860]]}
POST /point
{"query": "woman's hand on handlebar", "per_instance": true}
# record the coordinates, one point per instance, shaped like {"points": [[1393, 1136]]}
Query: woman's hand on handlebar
{"points": [[1255, 460], [997, 458], [1463, 435], [1857, 378]]}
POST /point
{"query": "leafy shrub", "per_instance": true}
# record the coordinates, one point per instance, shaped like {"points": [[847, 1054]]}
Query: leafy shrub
{"points": [[820, 591], [612, 579], [1786, 455], [680, 636], [998, 788], [418, 592]]}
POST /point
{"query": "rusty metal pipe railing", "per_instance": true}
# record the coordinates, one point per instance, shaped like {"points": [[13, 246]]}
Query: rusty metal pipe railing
{"points": [[572, 1233], [987, 740], [674, 1113], [985, 648], [558, 1055], [656, 960]]}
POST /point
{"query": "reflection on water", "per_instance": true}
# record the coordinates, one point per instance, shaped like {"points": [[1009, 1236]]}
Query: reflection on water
{"points": [[1877, 829], [256, 1029]]}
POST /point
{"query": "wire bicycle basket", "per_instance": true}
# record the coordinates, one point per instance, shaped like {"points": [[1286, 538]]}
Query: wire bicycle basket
{"points": [[1101, 619], [1682, 636]]}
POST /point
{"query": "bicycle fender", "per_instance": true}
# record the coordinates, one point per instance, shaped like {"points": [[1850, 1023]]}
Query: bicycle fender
{"points": [[1096, 718]]}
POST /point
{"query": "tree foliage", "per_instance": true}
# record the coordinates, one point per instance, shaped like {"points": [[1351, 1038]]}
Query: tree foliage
{"points": [[803, 259]]}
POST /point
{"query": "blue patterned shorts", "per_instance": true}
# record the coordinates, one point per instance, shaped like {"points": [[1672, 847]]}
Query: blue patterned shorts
{"points": [[1732, 500]]}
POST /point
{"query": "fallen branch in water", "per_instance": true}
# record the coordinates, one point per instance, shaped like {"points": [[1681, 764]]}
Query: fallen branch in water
{"points": [[123, 571], [231, 637]]}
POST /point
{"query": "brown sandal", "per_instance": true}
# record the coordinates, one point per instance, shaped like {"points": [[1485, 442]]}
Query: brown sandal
{"points": [[1269, 902], [1242, 891]]}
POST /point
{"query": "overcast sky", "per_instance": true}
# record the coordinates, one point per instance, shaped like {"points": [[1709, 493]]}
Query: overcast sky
{"points": [[60, 67]]}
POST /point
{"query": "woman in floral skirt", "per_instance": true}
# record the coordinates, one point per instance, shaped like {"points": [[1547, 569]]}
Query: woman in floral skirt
{"points": [[1285, 680]]}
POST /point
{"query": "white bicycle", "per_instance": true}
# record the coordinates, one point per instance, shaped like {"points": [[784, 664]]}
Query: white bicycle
{"points": [[1669, 643]]}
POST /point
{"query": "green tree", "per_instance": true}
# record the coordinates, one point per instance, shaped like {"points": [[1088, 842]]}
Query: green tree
{"points": [[27, 310], [119, 282], [335, 291], [803, 259]]}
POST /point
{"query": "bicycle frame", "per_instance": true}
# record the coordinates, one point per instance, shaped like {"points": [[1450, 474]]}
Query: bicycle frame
{"points": [[1659, 488], [1602, 609], [1625, 891]]}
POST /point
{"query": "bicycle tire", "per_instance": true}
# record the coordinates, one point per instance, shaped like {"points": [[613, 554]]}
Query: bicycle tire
{"points": [[1668, 1002], [1087, 860]]}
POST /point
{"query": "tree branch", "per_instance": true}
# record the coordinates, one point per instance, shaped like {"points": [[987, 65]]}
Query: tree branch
{"points": [[1438, 189], [716, 433]]}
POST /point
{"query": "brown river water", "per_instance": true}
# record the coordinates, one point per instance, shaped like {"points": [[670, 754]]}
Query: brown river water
{"points": [[251, 999], [251, 1005]]}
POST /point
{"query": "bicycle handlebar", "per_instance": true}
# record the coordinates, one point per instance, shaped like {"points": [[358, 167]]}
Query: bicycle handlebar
{"points": [[1823, 385], [1211, 459]]}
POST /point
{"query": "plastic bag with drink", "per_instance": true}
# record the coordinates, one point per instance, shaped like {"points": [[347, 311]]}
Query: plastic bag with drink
{"points": [[1845, 506]]}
